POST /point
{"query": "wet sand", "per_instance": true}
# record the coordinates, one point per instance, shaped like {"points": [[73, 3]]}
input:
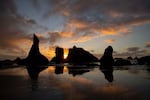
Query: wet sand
{"points": [[129, 84]]}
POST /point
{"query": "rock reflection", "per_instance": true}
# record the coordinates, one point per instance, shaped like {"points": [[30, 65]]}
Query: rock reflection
{"points": [[34, 71], [73, 70], [78, 71], [59, 69], [108, 72]]}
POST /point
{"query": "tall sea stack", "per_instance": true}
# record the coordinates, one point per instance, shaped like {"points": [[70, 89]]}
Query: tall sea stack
{"points": [[107, 58], [59, 55], [34, 56]]}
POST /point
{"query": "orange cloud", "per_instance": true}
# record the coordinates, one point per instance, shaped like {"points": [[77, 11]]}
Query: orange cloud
{"points": [[52, 51], [66, 34], [111, 30], [65, 12], [148, 44], [15, 49], [83, 39], [77, 24], [115, 14], [109, 41], [46, 52]]}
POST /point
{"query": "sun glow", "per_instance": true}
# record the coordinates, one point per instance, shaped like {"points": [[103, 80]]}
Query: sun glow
{"points": [[66, 51], [65, 56]]}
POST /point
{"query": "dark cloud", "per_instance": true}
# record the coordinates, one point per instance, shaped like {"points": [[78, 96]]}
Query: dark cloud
{"points": [[7, 6], [102, 15], [11, 20], [53, 37], [85, 20], [141, 51], [50, 37], [133, 49], [148, 46], [107, 6], [13, 29], [36, 4]]}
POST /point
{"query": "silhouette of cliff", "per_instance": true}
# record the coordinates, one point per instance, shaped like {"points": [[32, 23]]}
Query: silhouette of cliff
{"points": [[121, 62], [144, 60], [80, 56], [6, 63], [9, 63], [107, 58], [35, 57]]}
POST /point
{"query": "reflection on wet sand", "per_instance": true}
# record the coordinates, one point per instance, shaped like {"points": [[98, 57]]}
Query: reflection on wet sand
{"points": [[89, 86], [108, 72], [77, 71], [81, 88], [34, 71], [73, 70]]}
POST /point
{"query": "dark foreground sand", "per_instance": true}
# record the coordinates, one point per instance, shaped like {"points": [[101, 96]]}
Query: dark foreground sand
{"points": [[15, 84]]}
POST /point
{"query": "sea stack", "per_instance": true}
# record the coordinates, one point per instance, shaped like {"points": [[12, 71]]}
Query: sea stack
{"points": [[80, 56], [59, 55], [34, 56], [107, 58]]}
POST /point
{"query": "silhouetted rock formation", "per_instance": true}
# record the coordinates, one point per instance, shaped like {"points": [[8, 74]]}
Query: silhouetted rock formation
{"points": [[144, 60], [107, 58], [34, 56], [59, 55], [133, 61], [107, 63], [80, 56], [121, 62], [9, 63], [6, 63]]}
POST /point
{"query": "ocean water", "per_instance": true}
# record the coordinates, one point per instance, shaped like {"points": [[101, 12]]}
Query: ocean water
{"points": [[76, 83]]}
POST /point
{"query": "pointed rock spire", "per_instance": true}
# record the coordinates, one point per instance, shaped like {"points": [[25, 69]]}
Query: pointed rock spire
{"points": [[34, 56]]}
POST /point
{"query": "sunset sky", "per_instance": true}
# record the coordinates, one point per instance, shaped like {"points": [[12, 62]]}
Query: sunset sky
{"points": [[90, 24]]}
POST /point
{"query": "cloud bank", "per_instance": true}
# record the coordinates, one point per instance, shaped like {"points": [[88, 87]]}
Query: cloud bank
{"points": [[82, 21]]}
